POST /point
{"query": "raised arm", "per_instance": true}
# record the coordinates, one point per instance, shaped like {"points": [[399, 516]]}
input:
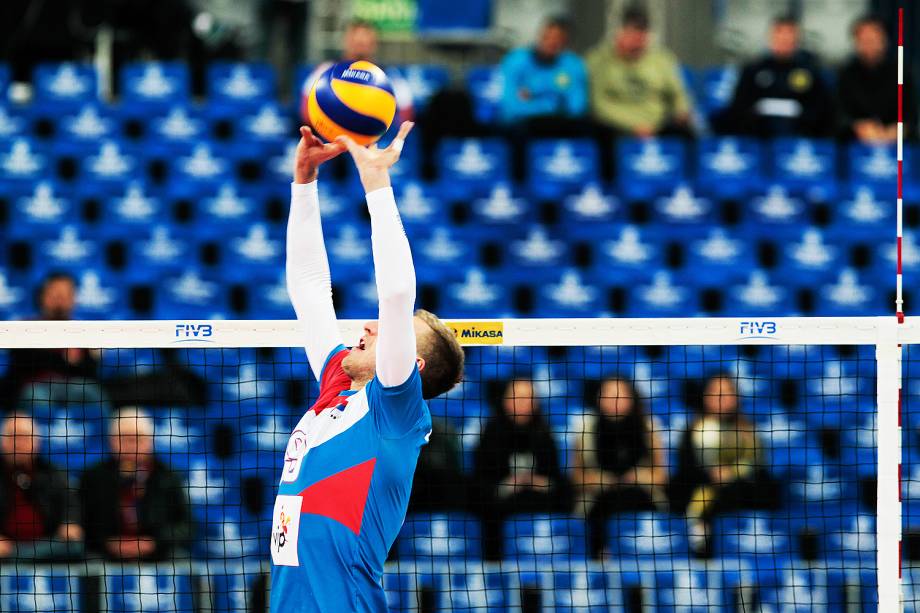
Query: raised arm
{"points": [[307, 267], [393, 268]]}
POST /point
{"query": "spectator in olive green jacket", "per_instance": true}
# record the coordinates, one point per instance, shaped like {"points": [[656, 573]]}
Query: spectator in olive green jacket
{"points": [[637, 90]]}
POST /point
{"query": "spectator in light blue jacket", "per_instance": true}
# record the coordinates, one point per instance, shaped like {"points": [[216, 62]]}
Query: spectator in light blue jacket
{"points": [[545, 80]]}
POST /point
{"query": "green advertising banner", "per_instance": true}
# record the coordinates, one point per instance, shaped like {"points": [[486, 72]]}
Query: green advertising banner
{"points": [[390, 16]]}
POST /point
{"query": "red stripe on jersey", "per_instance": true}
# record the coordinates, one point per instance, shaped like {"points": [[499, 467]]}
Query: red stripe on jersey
{"points": [[342, 496]]}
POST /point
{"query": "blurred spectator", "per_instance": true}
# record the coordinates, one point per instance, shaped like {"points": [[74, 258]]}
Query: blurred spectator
{"points": [[866, 93], [516, 466], [545, 81], [33, 32], [53, 374], [283, 33], [619, 460], [134, 506], [38, 508], [440, 483], [360, 43], [637, 90], [720, 463], [781, 94]]}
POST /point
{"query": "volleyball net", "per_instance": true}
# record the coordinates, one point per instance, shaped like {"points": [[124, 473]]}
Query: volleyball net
{"points": [[583, 465]]}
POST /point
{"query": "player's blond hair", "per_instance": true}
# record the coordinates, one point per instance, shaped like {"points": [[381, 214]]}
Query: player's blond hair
{"points": [[443, 356]]}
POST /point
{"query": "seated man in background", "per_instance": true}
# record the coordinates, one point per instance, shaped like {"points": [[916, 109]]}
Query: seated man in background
{"points": [[545, 91], [637, 90], [516, 466], [545, 81], [867, 97], [134, 506], [38, 508], [782, 93], [40, 374]]}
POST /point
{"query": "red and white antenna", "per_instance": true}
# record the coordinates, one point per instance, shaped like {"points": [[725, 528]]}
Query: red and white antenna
{"points": [[899, 297]]}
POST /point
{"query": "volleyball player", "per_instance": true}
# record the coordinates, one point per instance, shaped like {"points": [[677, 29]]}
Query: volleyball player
{"points": [[349, 462]]}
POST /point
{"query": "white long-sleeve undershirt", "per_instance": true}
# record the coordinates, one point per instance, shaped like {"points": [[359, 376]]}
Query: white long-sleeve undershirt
{"points": [[309, 284], [395, 274]]}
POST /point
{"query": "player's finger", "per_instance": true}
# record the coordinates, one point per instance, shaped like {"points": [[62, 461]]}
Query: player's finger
{"points": [[306, 132], [353, 147], [400, 140]]}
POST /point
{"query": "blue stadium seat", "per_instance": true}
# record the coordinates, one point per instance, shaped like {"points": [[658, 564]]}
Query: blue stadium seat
{"points": [[419, 205], [475, 588], [71, 250], [559, 167], [719, 259], [485, 84], [190, 296], [547, 538], [648, 535], [592, 207], [477, 296], [806, 167], [140, 590], [730, 168], [12, 123], [683, 206], [581, 591], [809, 260], [268, 123], [875, 165], [717, 87], [244, 85], [99, 297], [422, 80], [64, 85], [501, 206], [14, 300], [203, 165], [5, 79], [134, 209], [22, 160], [41, 213], [440, 535], [29, 588], [648, 169], [864, 216], [164, 251], [470, 167], [177, 126], [349, 249], [753, 535], [443, 254], [628, 256], [110, 163], [154, 85], [537, 251], [775, 214], [89, 122], [359, 296], [661, 298], [848, 296], [270, 300], [569, 296], [228, 208], [759, 296], [121, 362]]}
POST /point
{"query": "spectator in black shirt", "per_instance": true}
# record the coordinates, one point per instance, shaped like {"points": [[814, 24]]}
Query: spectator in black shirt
{"points": [[516, 466], [781, 94], [43, 374], [867, 91]]}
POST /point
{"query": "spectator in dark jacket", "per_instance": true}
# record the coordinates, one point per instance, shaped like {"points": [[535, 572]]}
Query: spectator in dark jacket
{"points": [[38, 507], [37, 374], [440, 483], [134, 506], [516, 466], [781, 94], [868, 98]]}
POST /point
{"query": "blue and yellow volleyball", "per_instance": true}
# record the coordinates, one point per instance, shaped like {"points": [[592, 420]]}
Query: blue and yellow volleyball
{"points": [[354, 99]]}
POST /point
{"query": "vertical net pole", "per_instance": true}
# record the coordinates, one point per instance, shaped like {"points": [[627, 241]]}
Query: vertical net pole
{"points": [[888, 506]]}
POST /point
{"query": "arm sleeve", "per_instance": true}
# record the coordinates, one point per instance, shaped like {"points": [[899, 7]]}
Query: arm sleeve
{"points": [[307, 273], [395, 275]]}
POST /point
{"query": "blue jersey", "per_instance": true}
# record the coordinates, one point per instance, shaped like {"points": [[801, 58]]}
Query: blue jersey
{"points": [[343, 494]]}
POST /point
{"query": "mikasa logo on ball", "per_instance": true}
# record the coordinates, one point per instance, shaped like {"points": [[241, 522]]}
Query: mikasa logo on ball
{"points": [[351, 73]]}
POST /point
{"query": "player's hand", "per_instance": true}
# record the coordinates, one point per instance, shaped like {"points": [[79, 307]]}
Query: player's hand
{"points": [[374, 164], [311, 152]]}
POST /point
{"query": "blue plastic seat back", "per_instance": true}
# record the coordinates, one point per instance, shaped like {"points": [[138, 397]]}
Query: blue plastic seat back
{"points": [[729, 167], [559, 167], [875, 165], [485, 84], [641, 535], [241, 84], [717, 85], [440, 535], [154, 85], [64, 85], [650, 168], [545, 537], [422, 80]]}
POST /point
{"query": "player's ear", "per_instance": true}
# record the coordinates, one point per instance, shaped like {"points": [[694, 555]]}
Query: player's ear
{"points": [[421, 363]]}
